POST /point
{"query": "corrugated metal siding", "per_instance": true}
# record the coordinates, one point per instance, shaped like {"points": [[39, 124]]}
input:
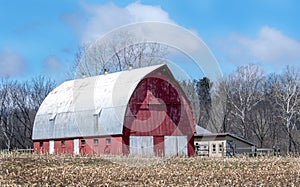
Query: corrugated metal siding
{"points": [[176, 145], [74, 103], [141, 145]]}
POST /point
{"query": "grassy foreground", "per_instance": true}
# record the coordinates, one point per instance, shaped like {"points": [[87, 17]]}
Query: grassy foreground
{"points": [[62, 170]]}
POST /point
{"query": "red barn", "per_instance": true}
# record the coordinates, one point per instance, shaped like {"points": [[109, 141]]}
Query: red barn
{"points": [[137, 112]]}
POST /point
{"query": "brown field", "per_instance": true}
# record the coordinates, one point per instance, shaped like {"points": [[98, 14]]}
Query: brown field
{"points": [[26, 169]]}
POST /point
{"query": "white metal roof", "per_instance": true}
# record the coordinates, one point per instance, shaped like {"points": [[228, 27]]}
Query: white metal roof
{"points": [[201, 130], [90, 106]]}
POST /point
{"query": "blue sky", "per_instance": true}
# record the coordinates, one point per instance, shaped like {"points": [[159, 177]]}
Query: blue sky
{"points": [[41, 37]]}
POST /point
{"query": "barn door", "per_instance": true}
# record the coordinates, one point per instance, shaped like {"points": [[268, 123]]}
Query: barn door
{"points": [[141, 145], [175, 145], [51, 146], [76, 146]]}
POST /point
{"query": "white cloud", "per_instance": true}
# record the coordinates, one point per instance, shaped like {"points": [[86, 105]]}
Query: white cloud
{"points": [[104, 18], [11, 63], [139, 12], [269, 46], [53, 65]]}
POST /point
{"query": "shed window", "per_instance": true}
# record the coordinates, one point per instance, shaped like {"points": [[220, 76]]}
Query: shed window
{"points": [[213, 147], [63, 143], [108, 141], [96, 142], [220, 147]]}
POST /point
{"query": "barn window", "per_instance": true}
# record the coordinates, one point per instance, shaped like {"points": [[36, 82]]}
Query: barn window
{"points": [[96, 142], [213, 147], [63, 143], [41, 144], [220, 148], [83, 142], [108, 141]]}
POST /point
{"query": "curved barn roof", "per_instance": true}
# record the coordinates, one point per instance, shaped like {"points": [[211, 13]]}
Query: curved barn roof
{"points": [[90, 106]]}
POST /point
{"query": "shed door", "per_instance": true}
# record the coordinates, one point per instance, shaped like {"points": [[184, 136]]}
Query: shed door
{"points": [[175, 145], [51, 146], [76, 146], [141, 145]]}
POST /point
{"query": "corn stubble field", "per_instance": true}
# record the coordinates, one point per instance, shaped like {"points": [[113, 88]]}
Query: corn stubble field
{"points": [[66, 170]]}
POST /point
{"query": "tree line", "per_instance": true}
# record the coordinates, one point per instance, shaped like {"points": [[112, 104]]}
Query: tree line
{"points": [[19, 102], [260, 107]]}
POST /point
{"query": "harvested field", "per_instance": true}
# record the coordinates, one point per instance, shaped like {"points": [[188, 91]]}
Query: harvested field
{"points": [[62, 170]]}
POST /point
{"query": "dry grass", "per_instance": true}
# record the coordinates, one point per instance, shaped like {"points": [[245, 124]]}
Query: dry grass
{"points": [[63, 170]]}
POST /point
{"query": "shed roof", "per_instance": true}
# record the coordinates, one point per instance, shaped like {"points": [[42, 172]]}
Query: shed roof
{"points": [[90, 106], [201, 130], [214, 135]]}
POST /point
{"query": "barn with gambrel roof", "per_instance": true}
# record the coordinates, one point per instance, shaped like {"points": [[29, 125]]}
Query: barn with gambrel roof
{"points": [[138, 112]]}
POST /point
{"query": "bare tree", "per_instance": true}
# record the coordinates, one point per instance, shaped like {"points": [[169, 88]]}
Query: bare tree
{"points": [[287, 96], [39, 87], [221, 109], [6, 112], [262, 120], [190, 91], [119, 53], [244, 92]]}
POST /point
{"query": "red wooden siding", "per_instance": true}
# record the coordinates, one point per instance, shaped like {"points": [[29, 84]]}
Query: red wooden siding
{"points": [[103, 147], [66, 148], [41, 149]]}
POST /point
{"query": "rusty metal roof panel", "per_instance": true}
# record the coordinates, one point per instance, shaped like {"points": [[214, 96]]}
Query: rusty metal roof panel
{"points": [[90, 106]]}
